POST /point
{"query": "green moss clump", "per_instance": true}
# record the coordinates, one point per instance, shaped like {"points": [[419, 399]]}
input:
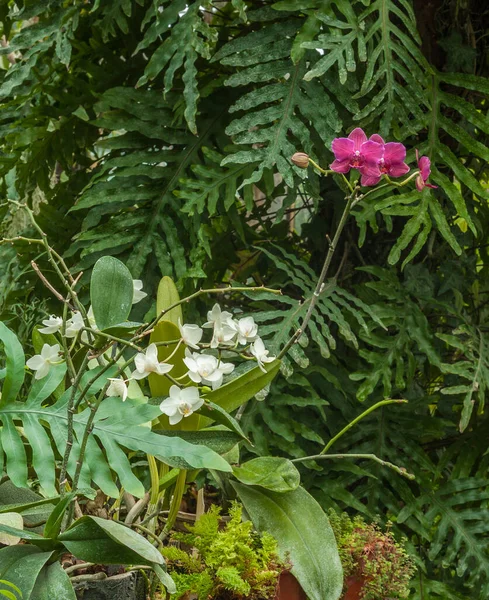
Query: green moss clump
{"points": [[372, 556], [232, 563]]}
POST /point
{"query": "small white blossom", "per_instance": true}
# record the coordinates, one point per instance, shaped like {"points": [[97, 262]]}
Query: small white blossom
{"points": [[51, 325], [41, 363], [117, 387], [92, 324], [148, 363], [191, 334], [261, 353], [74, 324], [181, 403], [205, 368], [220, 322], [246, 328], [138, 294]]}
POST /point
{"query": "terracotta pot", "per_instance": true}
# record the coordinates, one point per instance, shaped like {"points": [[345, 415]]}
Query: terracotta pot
{"points": [[288, 588], [354, 588]]}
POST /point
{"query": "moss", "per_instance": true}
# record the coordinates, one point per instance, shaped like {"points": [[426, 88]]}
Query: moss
{"points": [[373, 556], [232, 563]]}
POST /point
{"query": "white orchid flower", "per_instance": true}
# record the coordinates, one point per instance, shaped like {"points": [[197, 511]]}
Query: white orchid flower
{"points": [[51, 325], [261, 353], [117, 387], [205, 368], [42, 363], [148, 363], [92, 324], [138, 294], [74, 324], [220, 322], [191, 334], [181, 403], [246, 328]]}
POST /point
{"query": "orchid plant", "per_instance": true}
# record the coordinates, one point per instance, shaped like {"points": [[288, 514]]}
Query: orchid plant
{"points": [[107, 378]]}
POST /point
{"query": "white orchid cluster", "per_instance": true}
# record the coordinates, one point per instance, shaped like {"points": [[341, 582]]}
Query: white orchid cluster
{"points": [[207, 369], [204, 369]]}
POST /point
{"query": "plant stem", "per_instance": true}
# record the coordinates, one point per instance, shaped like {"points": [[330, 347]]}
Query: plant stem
{"points": [[175, 502], [357, 419], [202, 292], [401, 470], [324, 271]]}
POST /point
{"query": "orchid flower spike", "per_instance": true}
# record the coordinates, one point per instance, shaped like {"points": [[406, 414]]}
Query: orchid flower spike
{"points": [[117, 387]]}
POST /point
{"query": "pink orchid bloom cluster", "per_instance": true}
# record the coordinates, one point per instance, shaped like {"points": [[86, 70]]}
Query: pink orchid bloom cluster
{"points": [[374, 158]]}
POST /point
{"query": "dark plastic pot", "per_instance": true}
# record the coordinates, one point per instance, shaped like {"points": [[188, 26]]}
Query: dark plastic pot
{"points": [[289, 588], [128, 586]]}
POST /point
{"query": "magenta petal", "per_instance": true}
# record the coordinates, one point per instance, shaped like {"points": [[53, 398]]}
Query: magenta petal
{"points": [[424, 165], [369, 180], [398, 170], [420, 183], [358, 137], [376, 138], [394, 152], [340, 166], [371, 152], [343, 148], [430, 185]]}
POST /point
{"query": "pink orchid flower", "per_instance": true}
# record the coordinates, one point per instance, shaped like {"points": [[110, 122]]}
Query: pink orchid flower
{"points": [[424, 166], [355, 152], [391, 163]]}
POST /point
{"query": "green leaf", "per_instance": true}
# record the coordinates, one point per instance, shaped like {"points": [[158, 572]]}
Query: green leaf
{"points": [[53, 524], [21, 565], [107, 542], [111, 292], [168, 296], [165, 579], [216, 413], [53, 583], [294, 519], [213, 440], [15, 365], [269, 472]]}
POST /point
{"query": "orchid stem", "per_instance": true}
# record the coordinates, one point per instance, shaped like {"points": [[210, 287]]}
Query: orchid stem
{"points": [[357, 419]]}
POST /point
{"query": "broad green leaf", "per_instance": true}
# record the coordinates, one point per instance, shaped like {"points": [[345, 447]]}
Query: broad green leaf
{"points": [[21, 566], [107, 542], [15, 365], [269, 472], [111, 292], [304, 536], [53, 583], [214, 440]]}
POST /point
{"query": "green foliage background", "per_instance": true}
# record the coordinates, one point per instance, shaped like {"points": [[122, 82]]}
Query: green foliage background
{"points": [[161, 131]]}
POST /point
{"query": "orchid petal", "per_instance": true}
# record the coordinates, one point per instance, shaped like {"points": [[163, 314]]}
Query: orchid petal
{"points": [[370, 180], [343, 148], [42, 371], [377, 138], [398, 170], [340, 166], [358, 137], [176, 418], [371, 152], [394, 152], [424, 165]]}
